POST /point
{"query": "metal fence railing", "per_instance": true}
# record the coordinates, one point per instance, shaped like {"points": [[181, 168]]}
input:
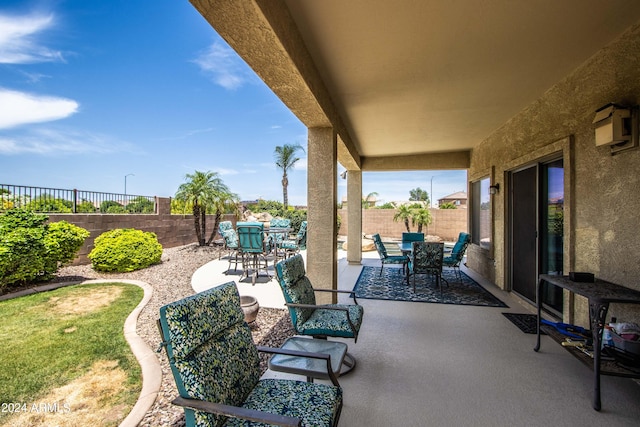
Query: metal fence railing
{"points": [[56, 200]]}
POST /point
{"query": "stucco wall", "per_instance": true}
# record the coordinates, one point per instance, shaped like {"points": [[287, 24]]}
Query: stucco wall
{"points": [[601, 198], [447, 223], [172, 230]]}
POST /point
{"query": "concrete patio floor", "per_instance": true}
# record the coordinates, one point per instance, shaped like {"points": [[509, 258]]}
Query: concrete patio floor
{"points": [[421, 364]]}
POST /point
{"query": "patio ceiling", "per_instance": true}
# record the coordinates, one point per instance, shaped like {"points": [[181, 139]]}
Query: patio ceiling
{"points": [[407, 78]]}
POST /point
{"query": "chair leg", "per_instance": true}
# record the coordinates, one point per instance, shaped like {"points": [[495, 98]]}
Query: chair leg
{"points": [[381, 267]]}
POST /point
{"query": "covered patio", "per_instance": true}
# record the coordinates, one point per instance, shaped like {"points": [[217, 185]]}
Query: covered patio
{"points": [[452, 365], [507, 91]]}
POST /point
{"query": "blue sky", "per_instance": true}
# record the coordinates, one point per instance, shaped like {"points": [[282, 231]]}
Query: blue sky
{"points": [[93, 91]]}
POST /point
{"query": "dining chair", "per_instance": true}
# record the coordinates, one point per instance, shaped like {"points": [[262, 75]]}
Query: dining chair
{"points": [[385, 258], [457, 253], [413, 237], [253, 248], [293, 246], [426, 258], [225, 228]]}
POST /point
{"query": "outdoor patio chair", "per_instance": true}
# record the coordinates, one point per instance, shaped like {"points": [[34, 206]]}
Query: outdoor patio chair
{"points": [[413, 237], [426, 258], [385, 257], [216, 367], [457, 253], [253, 248], [310, 318], [279, 229], [293, 246], [225, 228]]}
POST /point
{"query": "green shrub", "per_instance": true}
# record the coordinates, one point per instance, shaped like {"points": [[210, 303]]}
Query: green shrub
{"points": [[31, 250], [85, 207], [62, 242], [123, 250], [104, 206], [141, 205], [47, 203]]}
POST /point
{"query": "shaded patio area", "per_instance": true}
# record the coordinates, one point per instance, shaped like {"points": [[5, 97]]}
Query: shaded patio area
{"points": [[439, 364]]}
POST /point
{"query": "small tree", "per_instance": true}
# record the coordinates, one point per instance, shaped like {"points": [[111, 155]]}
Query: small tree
{"points": [[418, 195], [420, 216], [205, 191], [366, 201], [403, 213]]}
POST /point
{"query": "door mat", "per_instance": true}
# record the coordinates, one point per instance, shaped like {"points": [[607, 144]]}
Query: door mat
{"points": [[527, 323]]}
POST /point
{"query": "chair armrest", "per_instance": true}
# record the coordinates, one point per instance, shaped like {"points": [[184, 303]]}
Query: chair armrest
{"points": [[237, 412], [327, 307], [338, 291], [308, 354]]}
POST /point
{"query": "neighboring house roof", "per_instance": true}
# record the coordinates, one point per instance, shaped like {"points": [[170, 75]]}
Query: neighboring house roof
{"points": [[460, 195]]}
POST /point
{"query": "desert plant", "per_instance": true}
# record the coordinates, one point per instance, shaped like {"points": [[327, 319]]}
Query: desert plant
{"points": [[123, 250]]}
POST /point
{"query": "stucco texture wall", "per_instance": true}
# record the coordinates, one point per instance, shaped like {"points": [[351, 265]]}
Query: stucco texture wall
{"points": [[602, 206], [446, 223]]}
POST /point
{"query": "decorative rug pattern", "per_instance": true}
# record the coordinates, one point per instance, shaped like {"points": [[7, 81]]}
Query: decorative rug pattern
{"points": [[527, 323], [392, 285]]}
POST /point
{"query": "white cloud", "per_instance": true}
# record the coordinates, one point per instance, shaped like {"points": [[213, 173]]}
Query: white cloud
{"points": [[19, 108], [224, 66], [19, 42], [54, 142]]}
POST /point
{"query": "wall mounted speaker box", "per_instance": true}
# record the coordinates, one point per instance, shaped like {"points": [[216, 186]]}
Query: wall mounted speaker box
{"points": [[581, 277]]}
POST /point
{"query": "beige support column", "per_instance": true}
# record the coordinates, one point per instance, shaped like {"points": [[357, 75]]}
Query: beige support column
{"points": [[322, 242], [354, 217]]}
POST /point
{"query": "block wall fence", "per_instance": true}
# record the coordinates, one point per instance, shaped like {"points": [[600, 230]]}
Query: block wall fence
{"points": [[178, 230], [172, 230], [446, 223]]}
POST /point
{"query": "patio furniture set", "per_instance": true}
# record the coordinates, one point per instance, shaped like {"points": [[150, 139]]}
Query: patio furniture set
{"points": [[253, 245], [215, 362], [419, 257]]}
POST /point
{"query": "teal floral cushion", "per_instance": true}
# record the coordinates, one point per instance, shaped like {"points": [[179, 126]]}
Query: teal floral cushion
{"points": [[224, 226], [211, 350], [316, 404], [230, 238], [296, 288], [426, 257], [333, 322]]}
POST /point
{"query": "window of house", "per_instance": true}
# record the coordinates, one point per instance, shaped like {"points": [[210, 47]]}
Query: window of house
{"points": [[481, 213]]}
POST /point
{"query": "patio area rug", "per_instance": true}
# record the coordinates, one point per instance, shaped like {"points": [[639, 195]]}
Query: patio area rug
{"points": [[392, 285]]}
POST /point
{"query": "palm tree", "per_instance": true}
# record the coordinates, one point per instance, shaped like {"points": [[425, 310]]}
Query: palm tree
{"points": [[368, 199], [403, 213], [420, 216], [205, 191], [285, 159]]}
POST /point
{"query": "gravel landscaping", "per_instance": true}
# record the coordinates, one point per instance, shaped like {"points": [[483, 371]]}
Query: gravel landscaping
{"points": [[171, 281]]}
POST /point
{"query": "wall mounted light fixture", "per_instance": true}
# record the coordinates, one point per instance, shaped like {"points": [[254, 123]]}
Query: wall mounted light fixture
{"points": [[616, 126], [494, 189], [343, 175]]}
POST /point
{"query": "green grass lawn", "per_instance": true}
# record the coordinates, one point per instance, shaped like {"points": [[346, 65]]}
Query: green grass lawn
{"points": [[53, 338]]}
